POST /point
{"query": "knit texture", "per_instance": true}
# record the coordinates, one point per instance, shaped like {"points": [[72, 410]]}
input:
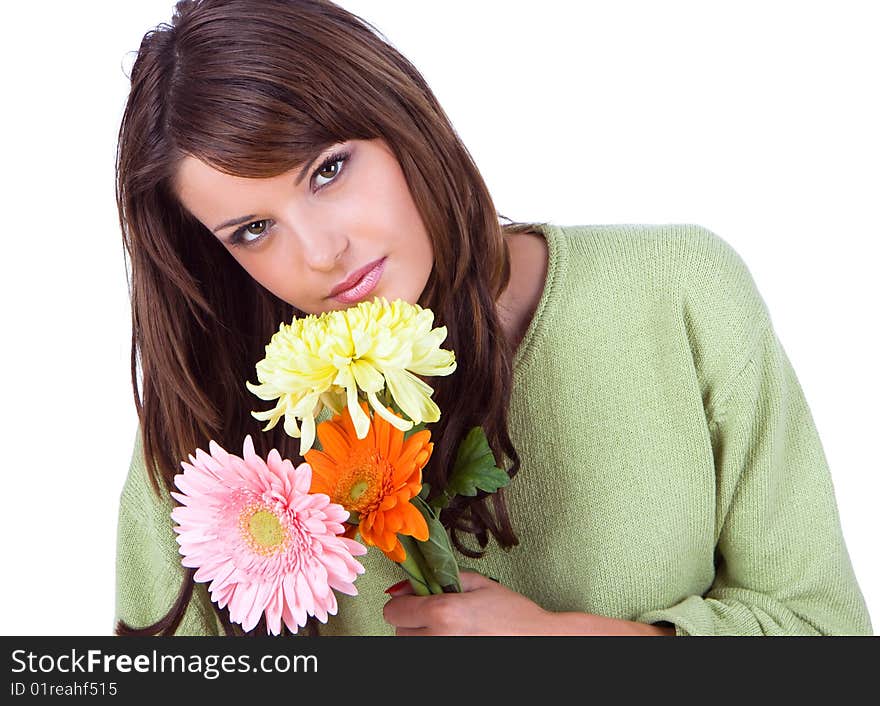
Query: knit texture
{"points": [[670, 471]]}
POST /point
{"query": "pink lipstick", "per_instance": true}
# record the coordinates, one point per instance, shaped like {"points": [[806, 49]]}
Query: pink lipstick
{"points": [[358, 285]]}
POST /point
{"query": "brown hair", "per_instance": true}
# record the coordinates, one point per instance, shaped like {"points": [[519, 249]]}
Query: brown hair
{"points": [[254, 88]]}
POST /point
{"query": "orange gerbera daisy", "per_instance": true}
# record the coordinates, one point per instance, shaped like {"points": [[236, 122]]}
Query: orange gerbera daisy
{"points": [[375, 477]]}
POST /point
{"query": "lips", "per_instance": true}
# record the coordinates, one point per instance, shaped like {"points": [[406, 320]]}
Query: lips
{"points": [[353, 279]]}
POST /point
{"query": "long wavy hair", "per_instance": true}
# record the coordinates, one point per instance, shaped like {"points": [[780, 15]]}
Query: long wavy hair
{"points": [[254, 88]]}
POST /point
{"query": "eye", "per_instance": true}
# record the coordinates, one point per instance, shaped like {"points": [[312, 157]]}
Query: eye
{"points": [[257, 229], [330, 169]]}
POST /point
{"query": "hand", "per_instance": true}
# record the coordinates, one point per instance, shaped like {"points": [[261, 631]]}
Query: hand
{"points": [[484, 607]]}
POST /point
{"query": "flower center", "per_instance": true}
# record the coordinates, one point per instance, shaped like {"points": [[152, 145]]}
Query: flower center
{"points": [[361, 485], [358, 489], [266, 529], [262, 530]]}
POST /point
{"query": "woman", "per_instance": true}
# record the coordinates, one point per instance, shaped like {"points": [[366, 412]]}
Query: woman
{"points": [[667, 478]]}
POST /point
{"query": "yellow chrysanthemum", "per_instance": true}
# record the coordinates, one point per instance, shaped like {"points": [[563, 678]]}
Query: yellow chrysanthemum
{"points": [[328, 359]]}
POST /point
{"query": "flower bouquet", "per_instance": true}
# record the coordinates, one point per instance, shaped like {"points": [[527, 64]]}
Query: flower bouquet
{"points": [[363, 363], [276, 539]]}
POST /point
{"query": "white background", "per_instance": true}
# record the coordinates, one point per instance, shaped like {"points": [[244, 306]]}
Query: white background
{"points": [[757, 120]]}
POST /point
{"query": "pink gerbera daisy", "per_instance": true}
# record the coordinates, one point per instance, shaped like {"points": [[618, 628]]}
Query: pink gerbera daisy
{"points": [[265, 543]]}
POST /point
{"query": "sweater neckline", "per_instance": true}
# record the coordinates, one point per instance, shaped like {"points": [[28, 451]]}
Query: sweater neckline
{"points": [[556, 270]]}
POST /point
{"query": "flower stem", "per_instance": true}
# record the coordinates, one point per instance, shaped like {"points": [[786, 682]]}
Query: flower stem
{"points": [[416, 577]]}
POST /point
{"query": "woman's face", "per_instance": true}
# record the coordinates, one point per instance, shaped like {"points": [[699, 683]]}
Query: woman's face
{"points": [[301, 240]]}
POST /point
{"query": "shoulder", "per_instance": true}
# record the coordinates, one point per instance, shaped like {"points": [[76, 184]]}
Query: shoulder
{"points": [[668, 281], [686, 264], [144, 521], [650, 247], [138, 490], [149, 571]]}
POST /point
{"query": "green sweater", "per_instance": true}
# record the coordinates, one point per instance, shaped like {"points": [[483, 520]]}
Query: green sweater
{"points": [[671, 469]]}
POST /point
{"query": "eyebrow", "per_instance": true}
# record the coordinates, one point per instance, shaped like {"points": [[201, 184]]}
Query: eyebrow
{"points": [[251, 217]]}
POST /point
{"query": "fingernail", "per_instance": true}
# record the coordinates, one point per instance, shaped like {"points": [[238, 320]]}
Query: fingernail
{"points": [[400, 584], [493, 578]]}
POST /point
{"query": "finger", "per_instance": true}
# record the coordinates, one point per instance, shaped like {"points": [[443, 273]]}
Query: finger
{"points": [[405, 611], [412, 632], [471, 580], [403, 588]]}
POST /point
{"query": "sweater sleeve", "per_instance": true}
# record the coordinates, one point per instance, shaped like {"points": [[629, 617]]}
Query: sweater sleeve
{"points": [[148, 569], [781, 564]]}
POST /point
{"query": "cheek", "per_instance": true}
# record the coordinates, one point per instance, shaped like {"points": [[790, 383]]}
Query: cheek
{"points": [[382, 192], [274, 275]]}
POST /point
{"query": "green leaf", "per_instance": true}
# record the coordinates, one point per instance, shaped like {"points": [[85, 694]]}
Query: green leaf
{"points": [[474, 470], [425, 491], [437, 551], [417, 567], [413, 565]]}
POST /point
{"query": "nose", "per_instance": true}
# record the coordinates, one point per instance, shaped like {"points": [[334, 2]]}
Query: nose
{"points": [[321, 246], [324, 256]]}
